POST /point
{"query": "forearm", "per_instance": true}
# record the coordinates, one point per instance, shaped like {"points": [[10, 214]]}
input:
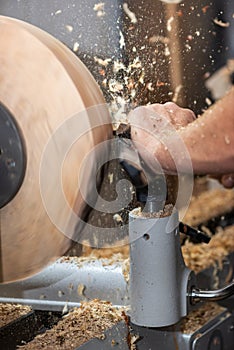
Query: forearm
{"points": [[209, 141]]}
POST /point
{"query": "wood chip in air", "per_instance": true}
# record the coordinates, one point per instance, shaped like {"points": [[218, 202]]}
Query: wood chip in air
{"points": [[221, 23], [76, 46], [129, 13], [101, 61], [69, 28]]}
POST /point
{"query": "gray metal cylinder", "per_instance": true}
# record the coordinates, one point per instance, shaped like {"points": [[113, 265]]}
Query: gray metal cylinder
{"points": [[158, 276]]}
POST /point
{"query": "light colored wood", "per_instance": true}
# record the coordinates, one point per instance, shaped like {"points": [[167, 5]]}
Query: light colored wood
{"points": [[44, 85]]}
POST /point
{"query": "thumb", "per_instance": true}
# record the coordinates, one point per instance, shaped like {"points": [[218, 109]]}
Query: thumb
{"points": [[228, 180]]}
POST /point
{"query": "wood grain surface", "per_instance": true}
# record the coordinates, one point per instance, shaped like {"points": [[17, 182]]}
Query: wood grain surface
{"points": [[52, 96]]}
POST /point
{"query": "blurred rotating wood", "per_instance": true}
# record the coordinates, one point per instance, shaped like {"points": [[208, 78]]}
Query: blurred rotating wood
{"points": [[43, 84]]}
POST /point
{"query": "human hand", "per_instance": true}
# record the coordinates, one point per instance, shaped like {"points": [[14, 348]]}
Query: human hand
{"points": [[151, 128], [226, 180]]}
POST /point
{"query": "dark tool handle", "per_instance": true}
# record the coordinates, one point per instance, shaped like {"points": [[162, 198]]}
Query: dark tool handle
{"points": [[196, 235]]}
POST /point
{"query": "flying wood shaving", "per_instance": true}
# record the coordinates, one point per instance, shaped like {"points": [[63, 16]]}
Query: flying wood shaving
{"points": [[134, 339], [221, 23], [58, 12], [65, 309], [176, 93], [135, 64], [69, 28], [121, 40], [117, 218], [159, 38], [129, 13], [115, 86], [149, 86], [171, 1], [101, 61], [99, 8], [169, 23], [76, 46], [208, 101], [205, 8], [118, 66], [141, 79]]}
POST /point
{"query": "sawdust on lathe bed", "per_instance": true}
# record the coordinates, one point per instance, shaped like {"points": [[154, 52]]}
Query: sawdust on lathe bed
{"points": [[199, 317], [80, 325], [10, 312]]}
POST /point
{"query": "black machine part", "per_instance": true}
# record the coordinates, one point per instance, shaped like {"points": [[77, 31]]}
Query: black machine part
{"points": [[12, 157]]}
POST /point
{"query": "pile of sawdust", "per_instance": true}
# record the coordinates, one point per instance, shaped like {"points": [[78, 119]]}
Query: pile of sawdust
{"points": [[199, 317], [10, 312], [78, 326], [201, 256]]}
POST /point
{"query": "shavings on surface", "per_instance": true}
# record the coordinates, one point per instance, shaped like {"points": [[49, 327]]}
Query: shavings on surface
{"points": [[80, 325], [200, 256], [199, 317], [10, 312], [166, 211]]}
